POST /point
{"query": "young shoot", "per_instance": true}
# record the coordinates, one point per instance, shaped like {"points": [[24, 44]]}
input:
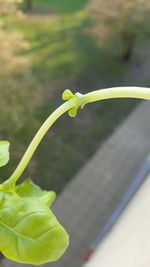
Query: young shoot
{"points": [[29, 231]]}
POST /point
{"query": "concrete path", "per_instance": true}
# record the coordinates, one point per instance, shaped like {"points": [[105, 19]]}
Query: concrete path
{"points": [[128, 244], [87, 202]]}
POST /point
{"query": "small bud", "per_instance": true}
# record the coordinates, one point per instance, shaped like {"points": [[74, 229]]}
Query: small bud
{"points": [[73, 112], [67, 95]]}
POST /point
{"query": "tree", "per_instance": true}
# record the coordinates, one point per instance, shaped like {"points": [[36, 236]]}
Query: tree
{"points": [[28, 5], [19, 91], [8, 6], [118, 20]]}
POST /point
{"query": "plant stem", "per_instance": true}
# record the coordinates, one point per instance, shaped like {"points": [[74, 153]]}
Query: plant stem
{"points": [[118, 92], [78, 100], [38, 137]]}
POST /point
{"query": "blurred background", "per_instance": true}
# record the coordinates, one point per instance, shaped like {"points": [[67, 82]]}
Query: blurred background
{"points": [[47, 46]]}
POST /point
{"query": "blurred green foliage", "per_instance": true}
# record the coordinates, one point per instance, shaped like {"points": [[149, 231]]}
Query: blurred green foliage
{"points": [[118, 28], [65, 6], [64, 55]]}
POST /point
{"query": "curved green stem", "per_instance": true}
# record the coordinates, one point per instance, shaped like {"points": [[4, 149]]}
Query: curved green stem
{"points": [[37, 139], [75, 101], [118, 92]]}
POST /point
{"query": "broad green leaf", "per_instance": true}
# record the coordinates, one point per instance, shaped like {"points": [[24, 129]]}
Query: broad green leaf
{"points": [[29, 231], [29, 189], [4, 153]]}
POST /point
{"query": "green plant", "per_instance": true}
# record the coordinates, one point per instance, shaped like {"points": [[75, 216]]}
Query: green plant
{"points": [[116, 24], [28, 228]]}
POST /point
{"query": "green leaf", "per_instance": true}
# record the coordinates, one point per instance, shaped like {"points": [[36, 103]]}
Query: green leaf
{"points": [[73, 112], [29, 189], [4, 153], [67, 94], [29, 231]]}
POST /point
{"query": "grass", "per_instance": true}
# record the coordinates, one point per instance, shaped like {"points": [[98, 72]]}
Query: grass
{"points": [[54, 46], [64, 6], [61, 49]]}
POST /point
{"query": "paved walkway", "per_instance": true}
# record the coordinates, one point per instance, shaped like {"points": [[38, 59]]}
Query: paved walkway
{"points": [[87, 202]]}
